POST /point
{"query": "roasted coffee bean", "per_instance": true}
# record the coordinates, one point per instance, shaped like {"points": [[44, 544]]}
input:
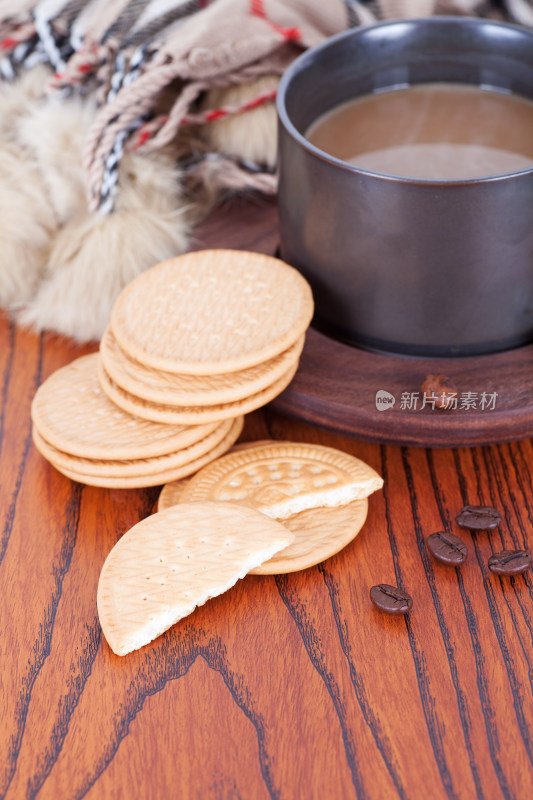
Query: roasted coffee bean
{"points": [[447, 548], [390, 599], [440, 390], [510, 562], [479, 518]]}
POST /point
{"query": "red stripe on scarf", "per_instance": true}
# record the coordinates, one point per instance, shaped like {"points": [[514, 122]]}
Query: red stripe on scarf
{"points": [[258, 10]]}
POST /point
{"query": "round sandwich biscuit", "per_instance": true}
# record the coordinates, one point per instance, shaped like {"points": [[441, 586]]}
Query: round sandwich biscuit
{"points": [[157, 479], [169, 388], [135, 467], [73, 414], [285, 478], [212, 312], [319, 533], [194, 415]]}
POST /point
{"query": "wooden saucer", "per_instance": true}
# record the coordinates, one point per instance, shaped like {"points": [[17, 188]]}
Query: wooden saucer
{"points": [[336, 385]]}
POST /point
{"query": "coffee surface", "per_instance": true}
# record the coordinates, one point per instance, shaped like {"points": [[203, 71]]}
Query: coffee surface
{"points": [[433, 131]]}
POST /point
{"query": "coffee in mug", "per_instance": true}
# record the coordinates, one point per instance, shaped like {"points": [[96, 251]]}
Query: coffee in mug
{"points": [[432, 131]]}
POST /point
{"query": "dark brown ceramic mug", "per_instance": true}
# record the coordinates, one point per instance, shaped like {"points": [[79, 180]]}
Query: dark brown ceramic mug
{"points": [[411, 266]]}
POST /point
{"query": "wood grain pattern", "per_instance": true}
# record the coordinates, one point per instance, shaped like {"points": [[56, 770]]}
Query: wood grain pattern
{"points": [[285, 687]]}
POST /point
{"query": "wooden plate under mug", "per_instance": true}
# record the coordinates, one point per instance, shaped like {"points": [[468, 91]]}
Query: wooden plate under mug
{"points": [[337, 387]]}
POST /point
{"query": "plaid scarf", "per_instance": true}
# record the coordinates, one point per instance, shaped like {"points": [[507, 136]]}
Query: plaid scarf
{"points": [[125, 53]]}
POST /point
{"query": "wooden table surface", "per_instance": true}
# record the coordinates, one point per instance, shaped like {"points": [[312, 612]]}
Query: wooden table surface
{"points": [[285, 687]]}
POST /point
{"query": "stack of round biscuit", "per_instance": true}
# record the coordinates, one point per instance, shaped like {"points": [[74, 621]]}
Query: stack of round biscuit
{"points": [[193, 344], [205, 337]]}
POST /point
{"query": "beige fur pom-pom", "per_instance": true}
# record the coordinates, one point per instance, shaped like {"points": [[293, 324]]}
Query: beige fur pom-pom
{"points": [[28, 221], [28, 225], [19, 97], [61, 266], [94, 256], [52, 133]]}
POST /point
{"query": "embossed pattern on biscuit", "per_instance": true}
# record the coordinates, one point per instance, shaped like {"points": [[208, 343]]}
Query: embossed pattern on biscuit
{"points": [[171, 492], [267, 483], [285, 479]]}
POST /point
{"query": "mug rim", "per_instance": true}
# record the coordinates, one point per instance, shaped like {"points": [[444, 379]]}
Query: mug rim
{"points": [[306, 58]]}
